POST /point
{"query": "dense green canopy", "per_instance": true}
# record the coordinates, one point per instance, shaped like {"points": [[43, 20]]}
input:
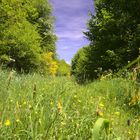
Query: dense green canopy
{"points": [[26, 31], [114, 35]]}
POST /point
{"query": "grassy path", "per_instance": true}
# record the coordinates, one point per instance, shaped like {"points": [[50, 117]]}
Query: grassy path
{"points": [[34, 107]]}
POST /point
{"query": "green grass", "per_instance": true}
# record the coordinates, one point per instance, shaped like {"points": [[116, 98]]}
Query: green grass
{"points": [[49, 108]]}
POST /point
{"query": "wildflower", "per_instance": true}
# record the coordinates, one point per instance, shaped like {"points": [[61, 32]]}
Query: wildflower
{"points": [[129, 132], [7, 122], [11, 100], [24, 103], [75, 96], [30, 107], [17, 120], [101, 105], [101, 114], [117, 113]]}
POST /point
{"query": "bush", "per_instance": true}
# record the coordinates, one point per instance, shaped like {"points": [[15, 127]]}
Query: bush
{"points": [[63, 68], [48, 64]]}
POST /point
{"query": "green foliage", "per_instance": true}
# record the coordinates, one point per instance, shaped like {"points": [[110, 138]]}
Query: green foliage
{"points": [[54, 67], [98, 128], [44, 21], [63, 68], [114, 35], [25, 30], [79, 63]]}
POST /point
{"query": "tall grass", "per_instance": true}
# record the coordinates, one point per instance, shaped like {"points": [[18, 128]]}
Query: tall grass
{"points": [[45, 108]]}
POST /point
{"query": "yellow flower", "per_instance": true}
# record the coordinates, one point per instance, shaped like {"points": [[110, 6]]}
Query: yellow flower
{"points": [[24, 103], [101, 105], [117, 113], [17, 120], [129, 132], [75, 96], [7, 122], [30, 107], [11, 100], [101, 114]]}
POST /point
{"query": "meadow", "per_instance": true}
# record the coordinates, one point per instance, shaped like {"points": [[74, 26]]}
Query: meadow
{"points": [[34, 107]]}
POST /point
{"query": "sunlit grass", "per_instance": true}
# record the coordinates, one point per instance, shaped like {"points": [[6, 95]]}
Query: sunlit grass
{"points": [[41, 108]]}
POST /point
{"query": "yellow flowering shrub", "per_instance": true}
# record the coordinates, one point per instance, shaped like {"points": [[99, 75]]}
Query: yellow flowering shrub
{"points": [[50, 66], [53, 68]]}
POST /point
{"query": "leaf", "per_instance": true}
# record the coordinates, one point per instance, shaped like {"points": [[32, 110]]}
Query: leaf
{"points": [[99, 126]]}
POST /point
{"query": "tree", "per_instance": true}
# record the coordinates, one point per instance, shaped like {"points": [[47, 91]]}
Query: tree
{"points": [[81, 65], [114, 35], [44, 21], [63, 68], [19, 39], [114, 32], [25, 33]]}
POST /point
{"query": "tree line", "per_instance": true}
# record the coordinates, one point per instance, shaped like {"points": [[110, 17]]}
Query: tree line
{"points": [[114, 35], [27, 41]]}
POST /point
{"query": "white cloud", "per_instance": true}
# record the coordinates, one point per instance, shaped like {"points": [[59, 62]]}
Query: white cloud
{"points": [[70, 35], [59, 4], [71, 18]]}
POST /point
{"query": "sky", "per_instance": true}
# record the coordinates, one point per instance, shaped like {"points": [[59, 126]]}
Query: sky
{"points": [[71, 17]]}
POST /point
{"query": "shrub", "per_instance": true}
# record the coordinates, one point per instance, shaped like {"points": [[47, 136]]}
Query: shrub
{"points": [[48, 64]]}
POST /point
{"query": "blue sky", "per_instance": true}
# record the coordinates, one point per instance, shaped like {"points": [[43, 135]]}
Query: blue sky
{"points": [[71, 18]]}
